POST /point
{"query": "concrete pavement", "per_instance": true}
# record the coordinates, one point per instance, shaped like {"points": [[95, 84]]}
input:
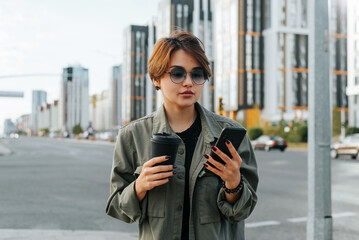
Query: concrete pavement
{"points": [[4, 150]]}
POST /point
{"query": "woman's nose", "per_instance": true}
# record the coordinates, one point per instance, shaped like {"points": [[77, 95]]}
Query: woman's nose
{"points": [[188, 80]]}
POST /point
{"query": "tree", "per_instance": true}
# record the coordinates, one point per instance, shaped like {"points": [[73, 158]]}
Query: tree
{"points": [[77, 129]]}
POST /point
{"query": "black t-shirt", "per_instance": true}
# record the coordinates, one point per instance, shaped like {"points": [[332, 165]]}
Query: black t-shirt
{"points": [[189, 137]]}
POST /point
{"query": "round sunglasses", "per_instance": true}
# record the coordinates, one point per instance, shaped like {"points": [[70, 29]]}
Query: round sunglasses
{"points": [[179, 74]]}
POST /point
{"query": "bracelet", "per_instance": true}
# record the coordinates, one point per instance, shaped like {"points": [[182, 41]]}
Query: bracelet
{"points": [[235, 190]]}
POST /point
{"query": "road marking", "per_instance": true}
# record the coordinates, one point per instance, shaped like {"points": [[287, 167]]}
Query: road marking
{"points": [[344, 214], [297, 220], [335, 215], [262, 224]]}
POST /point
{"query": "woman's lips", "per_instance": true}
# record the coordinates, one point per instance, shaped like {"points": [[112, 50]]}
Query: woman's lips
{"points": [[187, 94]]}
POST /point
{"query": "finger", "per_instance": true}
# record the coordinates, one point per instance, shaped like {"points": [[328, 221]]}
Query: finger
{"points": [[158, 183], [214, 170], [158, 176], [156, 160], [221, 154], [215, 163], [160, 168], [233, 151]]}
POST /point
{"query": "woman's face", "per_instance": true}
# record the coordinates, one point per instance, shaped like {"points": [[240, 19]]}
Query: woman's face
{"points": [[186, 93]]}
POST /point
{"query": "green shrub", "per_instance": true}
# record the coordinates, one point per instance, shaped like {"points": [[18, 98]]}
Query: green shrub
{"points": [[77, 129], [45, 131], [272, 130], [255, 132], [351, 130], [303, 132]]}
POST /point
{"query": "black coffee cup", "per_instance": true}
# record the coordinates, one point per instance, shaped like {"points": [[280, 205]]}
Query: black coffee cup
{"points": [[165, 144]]}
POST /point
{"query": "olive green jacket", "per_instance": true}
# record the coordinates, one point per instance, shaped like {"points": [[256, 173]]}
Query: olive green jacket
{"points": [[159, 215]]}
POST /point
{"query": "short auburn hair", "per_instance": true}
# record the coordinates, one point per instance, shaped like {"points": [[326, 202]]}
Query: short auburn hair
{"points": [[165, 47]]}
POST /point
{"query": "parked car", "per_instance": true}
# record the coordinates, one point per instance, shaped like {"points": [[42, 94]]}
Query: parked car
{"points": [[269, 142], [348, 146]]}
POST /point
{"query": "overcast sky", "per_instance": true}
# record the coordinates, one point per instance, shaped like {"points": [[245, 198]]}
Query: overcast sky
{"points": [[41, 36]]}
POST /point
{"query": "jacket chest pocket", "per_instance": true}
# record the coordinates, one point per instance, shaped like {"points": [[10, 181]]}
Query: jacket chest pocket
{"points": [[208, 185], [156, 199]]}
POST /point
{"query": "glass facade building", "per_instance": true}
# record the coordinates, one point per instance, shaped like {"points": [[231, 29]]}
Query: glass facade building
{"points": [[39, 97], [353, 62], [134, 69], [74, 99], [238, 67], [115, 96], [285, 59], [338, 52], [203, 29]]}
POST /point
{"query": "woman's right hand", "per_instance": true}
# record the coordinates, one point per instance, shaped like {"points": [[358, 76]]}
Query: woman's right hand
{"points": [[152, 176]]}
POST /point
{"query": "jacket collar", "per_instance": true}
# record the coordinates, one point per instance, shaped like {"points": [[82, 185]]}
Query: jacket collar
{"points": [[210, 127]]}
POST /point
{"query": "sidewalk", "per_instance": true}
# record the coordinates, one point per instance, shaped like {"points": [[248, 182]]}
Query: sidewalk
{"points": [[37, 234], [85, 141]]}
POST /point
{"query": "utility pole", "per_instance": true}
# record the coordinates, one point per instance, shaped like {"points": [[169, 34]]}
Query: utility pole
{"points": [[319, 224]]}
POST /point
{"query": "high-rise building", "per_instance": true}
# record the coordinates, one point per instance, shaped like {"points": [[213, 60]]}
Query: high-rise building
{"points": [[353, 62], [151, 93], [286, 59], [115, 96], [134, 69], [39, 97], [174, 15], [74, 98], [238, 67], [338, 53], [193, 16], [203, 29]]}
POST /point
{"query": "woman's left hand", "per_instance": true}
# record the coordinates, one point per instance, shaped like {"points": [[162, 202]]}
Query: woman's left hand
{"points": [[229, 172]]}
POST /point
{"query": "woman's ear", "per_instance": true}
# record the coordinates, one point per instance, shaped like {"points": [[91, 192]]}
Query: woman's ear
{"points": [[156, 82]]}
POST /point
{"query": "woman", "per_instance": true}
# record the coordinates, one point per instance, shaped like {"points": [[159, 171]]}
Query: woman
{"points": [[182, 201]]}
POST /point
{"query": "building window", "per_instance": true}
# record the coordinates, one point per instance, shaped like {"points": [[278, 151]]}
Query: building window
{"points": [[357, 62], [356, 80], [179, 15], [267, 14]]}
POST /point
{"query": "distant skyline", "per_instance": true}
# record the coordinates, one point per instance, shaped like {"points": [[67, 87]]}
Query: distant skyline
{"points": [[42, 37]]}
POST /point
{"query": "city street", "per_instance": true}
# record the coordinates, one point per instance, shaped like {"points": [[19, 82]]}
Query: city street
{"points": [[56, 187]]}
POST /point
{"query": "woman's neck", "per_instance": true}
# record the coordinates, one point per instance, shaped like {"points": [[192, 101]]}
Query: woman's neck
{"points": [[180, 119]]}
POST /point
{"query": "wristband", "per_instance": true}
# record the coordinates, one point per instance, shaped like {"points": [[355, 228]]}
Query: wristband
{"points": [[235, 190]]}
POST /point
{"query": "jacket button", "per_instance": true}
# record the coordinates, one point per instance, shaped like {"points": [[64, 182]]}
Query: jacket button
{"points": [[180, 151], [180, 175]]}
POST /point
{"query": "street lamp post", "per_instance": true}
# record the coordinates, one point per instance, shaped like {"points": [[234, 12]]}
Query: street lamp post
{"points": [[319, 224]]}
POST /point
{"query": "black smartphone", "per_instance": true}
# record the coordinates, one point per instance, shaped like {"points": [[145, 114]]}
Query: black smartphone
{"points": [[233, 134]]}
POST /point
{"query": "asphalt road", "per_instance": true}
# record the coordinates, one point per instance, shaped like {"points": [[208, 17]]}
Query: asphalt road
{"points": [[49, 184]]}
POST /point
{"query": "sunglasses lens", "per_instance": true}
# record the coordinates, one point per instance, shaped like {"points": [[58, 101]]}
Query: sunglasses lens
{"points": [[178, 75], [198, 76]]}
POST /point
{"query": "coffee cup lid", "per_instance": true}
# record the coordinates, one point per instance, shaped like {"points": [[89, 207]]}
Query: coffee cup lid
{"points": [[165, 138]]}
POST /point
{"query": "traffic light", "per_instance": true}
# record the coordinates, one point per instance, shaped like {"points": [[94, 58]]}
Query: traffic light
{"points": [[220, 106]]}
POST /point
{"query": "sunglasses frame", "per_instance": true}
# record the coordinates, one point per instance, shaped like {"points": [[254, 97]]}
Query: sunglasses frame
{"points": [[205, 76]]}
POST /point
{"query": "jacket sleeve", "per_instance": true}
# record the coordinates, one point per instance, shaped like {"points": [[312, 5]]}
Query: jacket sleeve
{"points": [[123, 203], [244, 206]]}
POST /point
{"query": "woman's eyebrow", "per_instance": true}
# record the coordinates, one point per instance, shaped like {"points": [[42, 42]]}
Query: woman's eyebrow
{"points": [[199, 67]]}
